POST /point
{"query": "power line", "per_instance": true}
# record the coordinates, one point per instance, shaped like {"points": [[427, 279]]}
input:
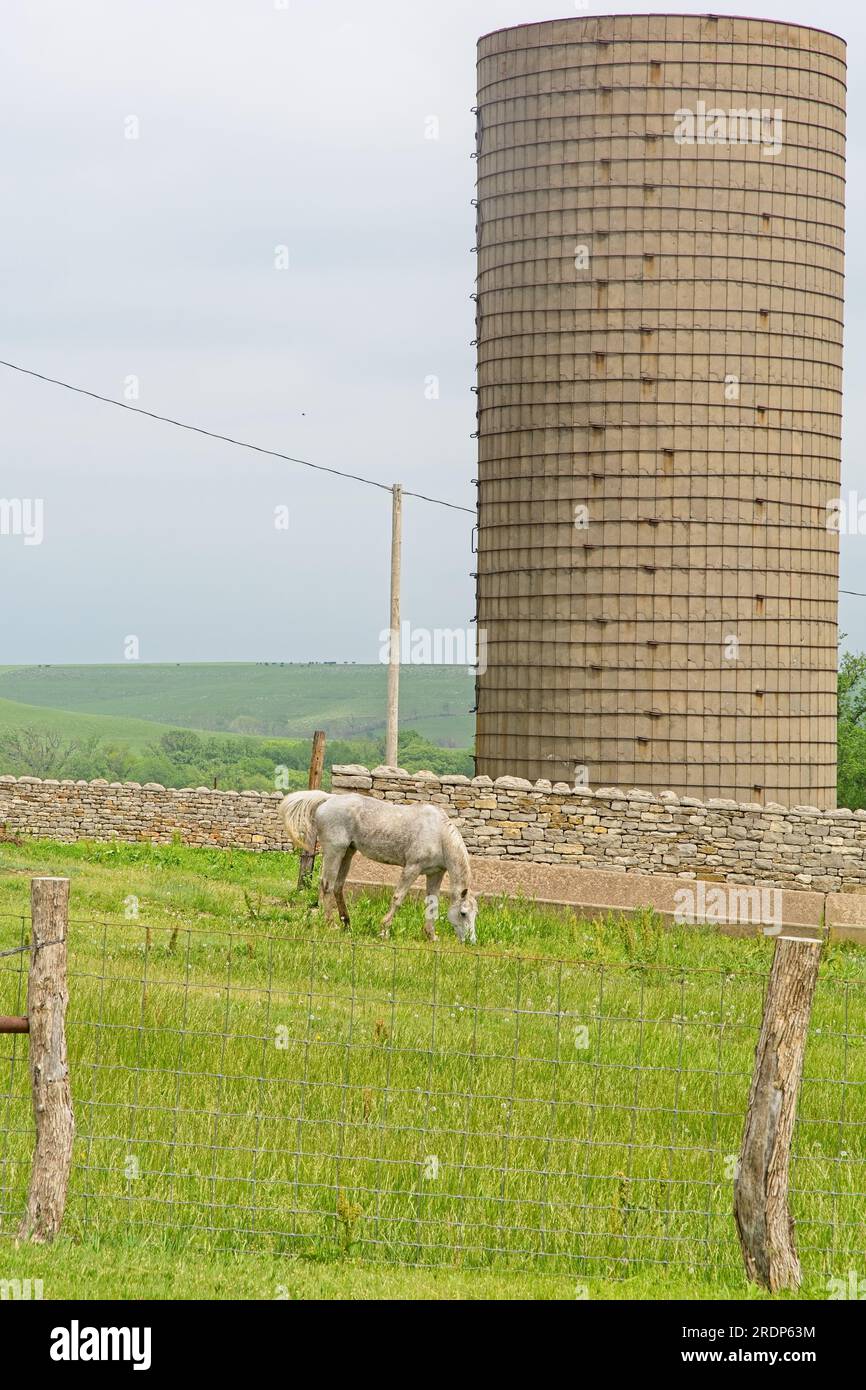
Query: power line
{"points": [[257, 448], [228, 439]]}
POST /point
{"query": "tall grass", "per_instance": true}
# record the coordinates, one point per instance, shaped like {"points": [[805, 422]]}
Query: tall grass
{"points": [[567, 1097]]}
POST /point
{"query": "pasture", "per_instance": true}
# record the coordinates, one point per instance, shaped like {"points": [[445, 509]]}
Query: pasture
{"points": [[269, 1106], [135, 734], [279, 699], [232, 725]]}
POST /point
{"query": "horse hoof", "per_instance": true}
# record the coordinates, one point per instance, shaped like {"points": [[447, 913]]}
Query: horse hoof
{"points": [[385, 933]]}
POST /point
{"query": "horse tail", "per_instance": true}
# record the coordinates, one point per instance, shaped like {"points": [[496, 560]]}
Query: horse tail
{"points": [[297, 811]]}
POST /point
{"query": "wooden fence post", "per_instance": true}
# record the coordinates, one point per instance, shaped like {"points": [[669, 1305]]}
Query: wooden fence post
{"points": [[47, 998], [314, 781], [764, 1221]]}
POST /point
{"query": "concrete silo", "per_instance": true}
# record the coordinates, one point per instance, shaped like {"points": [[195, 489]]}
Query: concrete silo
{"points": [[659, 308]]}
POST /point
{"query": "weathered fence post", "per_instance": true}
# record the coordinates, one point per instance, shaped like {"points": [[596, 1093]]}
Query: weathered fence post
{"points": [[47, 997], [314, 781], [764, 1221]]}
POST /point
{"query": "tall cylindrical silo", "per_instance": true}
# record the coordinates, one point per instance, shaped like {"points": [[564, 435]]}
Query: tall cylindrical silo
{"points": [[659, 306]]}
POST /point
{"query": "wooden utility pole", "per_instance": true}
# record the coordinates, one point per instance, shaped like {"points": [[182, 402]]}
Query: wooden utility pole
{"points": [[47, 998], [392, 723], [314, 781], [764, 1221]]}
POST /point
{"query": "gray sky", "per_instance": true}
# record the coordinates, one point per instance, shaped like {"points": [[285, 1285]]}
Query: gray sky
{"points": [[262, 127]]}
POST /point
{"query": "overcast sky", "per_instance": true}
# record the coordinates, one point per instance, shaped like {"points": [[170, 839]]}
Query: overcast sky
{"points": [[262, 127]]}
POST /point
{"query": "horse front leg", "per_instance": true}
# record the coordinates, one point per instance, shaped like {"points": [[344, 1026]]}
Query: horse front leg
{"points": [[431, 903], [408, 877]]}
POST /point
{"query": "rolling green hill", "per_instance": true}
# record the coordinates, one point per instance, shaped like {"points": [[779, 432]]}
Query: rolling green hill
{"points": [[135, 734], [233, 726], [276, 700]]}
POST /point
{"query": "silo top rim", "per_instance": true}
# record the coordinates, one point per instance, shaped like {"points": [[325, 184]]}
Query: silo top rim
{"points": [[659, 14]]}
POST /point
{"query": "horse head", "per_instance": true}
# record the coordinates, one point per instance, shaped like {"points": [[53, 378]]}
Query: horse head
{"points": [[462, 914]]}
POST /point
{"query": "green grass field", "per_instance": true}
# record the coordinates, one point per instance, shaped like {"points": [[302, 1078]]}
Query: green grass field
{"points": [[278, 700], [268, 1106], [136, 734], [227, 726]]}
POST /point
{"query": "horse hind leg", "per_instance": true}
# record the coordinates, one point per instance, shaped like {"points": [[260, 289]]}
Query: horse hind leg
{"points": [[342, 873], [331, 861]]}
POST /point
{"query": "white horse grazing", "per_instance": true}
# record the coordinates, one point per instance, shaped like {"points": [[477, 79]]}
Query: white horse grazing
{"points": [[421, 838]]}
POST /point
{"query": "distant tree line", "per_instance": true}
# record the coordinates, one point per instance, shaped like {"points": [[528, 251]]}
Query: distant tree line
{"points": [[184, 758], [851, 770]]}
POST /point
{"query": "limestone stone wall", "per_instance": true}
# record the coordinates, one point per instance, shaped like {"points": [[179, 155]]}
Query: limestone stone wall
{"points": [[637, 831], [101, 810], [604, 828]]}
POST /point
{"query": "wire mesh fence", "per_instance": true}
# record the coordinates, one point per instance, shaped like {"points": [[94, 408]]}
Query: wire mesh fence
{"points": [[324, 1094]]}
